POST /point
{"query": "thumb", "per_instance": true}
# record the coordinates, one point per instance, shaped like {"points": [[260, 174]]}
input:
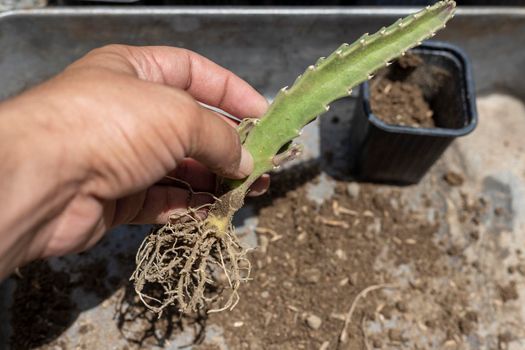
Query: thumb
{"points": [[216, 144]]}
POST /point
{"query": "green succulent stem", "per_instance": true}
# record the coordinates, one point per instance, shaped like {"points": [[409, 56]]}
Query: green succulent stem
{"points": [[327, 80]]}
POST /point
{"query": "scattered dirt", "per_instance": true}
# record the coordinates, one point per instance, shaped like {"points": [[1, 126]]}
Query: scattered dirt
{"points": [[468, 323], [398, 101], [313, 262], [92, 278], [42, 306], [143, 328], [504, 339], [305, 281], [508, 292]]}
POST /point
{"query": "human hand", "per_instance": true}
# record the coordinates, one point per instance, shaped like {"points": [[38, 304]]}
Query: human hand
{"points": [[84, 151]]}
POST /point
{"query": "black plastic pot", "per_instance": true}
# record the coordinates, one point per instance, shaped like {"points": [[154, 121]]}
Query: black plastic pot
{"points": [[402, 154]]}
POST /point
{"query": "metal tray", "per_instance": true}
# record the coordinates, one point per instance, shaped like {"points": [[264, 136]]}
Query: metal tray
{"points": [[267, 46]]}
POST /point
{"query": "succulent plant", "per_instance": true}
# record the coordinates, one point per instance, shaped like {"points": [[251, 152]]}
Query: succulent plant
{"points": [[184, 256]]}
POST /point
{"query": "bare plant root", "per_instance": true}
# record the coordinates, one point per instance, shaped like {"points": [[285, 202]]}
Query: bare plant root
{"points": [[343, 337], [194, 265]]}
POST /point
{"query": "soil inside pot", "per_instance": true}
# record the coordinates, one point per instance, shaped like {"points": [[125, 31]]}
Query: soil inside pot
{"points": [[402, 94]]}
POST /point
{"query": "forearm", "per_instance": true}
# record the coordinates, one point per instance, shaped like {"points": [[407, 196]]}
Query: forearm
{"points": [[33, 185]]}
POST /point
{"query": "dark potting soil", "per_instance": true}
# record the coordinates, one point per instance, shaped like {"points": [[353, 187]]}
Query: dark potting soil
{"points": [[42, 307], [397, 96]]}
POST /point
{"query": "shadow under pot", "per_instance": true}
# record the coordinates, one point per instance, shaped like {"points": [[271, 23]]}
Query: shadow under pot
{"points": [[410, 112]]}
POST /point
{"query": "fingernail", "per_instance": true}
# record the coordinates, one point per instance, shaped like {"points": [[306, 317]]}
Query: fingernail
{"points": [[246, 164], [256, 193]]}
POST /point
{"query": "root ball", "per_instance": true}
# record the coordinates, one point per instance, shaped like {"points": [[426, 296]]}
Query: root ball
{"points": [[186, 260]]}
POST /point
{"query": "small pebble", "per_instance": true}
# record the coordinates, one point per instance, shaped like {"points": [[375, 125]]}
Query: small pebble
{"points": [[499, 211], [313, 321], [263, 244], [301, 237], [324, 345], [340, 254], [353, 279], [453, 178], [451, 343], [312, 275], [417, 284], [265, 295], [353, 190], [395, 335], [430, 324], [387, 312], [394, 203]]}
